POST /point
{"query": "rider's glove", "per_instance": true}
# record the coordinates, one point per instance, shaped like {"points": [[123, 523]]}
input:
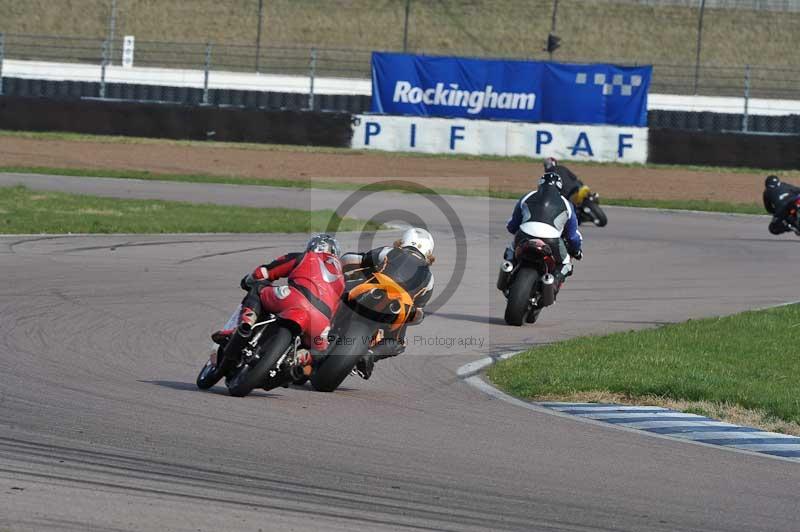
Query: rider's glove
{"points": [[578, 255]]}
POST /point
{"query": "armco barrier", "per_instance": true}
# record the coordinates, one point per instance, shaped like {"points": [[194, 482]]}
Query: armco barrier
{"points": [[675, 146], [292, 101], [176, 121]]}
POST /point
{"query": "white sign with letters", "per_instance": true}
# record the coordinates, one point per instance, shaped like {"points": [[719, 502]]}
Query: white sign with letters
{"points": [[568, 142]]}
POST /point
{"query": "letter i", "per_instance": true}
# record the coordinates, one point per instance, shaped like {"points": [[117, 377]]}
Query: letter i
{"points": [[412, 141]]}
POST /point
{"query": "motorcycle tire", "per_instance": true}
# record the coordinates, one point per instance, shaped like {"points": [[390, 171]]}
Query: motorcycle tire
{"points": [[209, 376], [519, 295], [245, 378], [598, 216], [301, 381], [533, 315], [343, 356]]}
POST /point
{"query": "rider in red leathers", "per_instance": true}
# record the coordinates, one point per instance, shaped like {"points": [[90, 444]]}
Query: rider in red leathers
{"points": [[310, 298]]}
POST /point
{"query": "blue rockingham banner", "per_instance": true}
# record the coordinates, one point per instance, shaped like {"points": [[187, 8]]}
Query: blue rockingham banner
{"points": [[529, 91]]}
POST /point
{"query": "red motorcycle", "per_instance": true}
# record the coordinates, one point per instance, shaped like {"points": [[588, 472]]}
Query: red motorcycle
{"points": [[528, 283], [277, 350], [792, 219]]}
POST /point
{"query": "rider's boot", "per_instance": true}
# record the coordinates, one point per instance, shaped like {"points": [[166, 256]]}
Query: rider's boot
{"points": [[365, 366]]}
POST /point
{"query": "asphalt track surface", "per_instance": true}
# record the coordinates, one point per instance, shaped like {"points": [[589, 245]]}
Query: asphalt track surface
{"points": [[102, 428]]}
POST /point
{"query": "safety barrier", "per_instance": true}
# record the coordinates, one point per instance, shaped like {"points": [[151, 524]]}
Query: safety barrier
{"points": [[675, 146]]}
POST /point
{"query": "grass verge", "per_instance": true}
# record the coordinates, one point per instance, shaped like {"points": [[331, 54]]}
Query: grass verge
{"points": [[693, 205], [740, 368], [26, 211]]}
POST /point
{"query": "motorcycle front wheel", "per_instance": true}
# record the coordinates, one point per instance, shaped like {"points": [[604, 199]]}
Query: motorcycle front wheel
{"points": [[209, 375], [246, 378]]}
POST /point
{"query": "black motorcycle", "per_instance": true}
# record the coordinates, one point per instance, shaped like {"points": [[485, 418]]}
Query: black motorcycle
{"points": [[528, 283]]}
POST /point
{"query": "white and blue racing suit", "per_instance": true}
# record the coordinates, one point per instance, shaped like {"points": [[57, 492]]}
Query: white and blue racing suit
{"points": [[544, 213]]}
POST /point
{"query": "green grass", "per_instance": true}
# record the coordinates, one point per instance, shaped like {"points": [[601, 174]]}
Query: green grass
{"points": [[689, 205], [748, 359], [591, 30], [23, 211], [693, 205]]}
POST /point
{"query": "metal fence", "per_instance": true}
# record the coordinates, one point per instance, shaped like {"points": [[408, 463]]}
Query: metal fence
{"points": [[738, 81], [693, 36]]}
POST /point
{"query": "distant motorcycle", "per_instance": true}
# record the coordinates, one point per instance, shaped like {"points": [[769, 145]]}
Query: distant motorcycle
{"points": [[528, 284], [792, 219], [587, 207]]}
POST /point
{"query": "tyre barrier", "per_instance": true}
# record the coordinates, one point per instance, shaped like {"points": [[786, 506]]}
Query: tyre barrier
{"points": [[173, 121]]}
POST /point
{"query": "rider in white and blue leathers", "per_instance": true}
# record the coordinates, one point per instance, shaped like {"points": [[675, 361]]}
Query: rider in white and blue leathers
{"points": [[545, 214]]}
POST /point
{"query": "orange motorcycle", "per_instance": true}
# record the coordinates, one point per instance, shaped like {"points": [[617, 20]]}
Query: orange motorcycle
{"points": [[373, 311]]}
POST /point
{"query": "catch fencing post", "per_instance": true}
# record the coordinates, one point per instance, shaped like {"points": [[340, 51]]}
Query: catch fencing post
{"points": [[2, 55], [112, 25], [103, 64], [405, 26], [258, 34], [746, 97], [312, 73], [699, 45], [205, 73]]}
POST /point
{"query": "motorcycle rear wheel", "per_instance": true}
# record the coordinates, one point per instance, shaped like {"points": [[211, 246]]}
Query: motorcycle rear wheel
{"points": [[519, 295], [245, 378], [343, 355]]}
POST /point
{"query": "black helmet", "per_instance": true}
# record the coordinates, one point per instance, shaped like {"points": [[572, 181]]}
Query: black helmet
{"points": [[551, 178], [323, 243], [772, 181], [549, 164]]}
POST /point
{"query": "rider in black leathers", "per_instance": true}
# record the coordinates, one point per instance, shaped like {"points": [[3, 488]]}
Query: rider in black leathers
{"points": [[778, 199], [571, 182]]}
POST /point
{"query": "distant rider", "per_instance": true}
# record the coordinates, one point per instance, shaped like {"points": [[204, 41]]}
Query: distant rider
{"points": [[315, 286], [408, 263], [778, 199], [570, 182], [545, 214]]}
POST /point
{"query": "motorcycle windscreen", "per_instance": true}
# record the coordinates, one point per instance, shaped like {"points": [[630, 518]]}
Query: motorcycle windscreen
{"points": [[232, 322]]}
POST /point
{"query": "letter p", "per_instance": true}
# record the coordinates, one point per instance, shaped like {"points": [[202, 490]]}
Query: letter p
{"points": [[370, 130], [542, 137]]}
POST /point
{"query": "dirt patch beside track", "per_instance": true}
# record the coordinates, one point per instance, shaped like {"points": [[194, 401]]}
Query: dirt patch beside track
{"points": [[358, 167]]}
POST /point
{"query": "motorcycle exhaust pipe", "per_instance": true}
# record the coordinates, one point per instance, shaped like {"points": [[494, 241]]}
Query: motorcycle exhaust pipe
{"points": [[505, 275], [548, 290], [233, 349], [395, 307], [377, 293]]}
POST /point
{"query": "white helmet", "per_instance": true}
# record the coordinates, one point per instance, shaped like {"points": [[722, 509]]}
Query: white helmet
{"points": [[419, 239]]}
